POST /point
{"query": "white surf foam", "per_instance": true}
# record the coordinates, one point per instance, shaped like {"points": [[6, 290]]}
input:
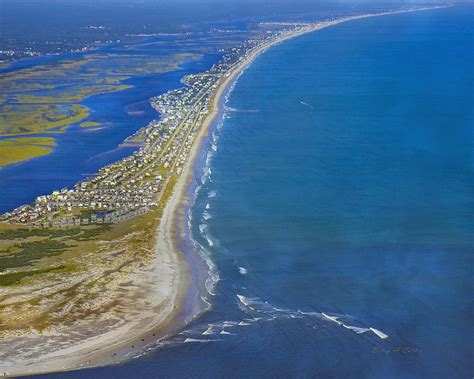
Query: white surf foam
{"points": [[263, 311], [292, 315], [318, 314], [211, 194], [208, 331], [228, 324], [243, 300], [210, 242], [331, 318], [243, 270], [213, 274], [230, 109], [187, 340], [255, 305], [356, 329], [378, 333], [204, 299], [209, 157], [283, 310]]}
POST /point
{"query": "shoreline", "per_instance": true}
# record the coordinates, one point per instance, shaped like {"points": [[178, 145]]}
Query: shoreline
{"points": [[218, 110], [181, 200], [172, 227]]}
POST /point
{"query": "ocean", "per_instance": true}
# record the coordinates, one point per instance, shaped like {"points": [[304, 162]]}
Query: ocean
{"points": [[335, 198]]}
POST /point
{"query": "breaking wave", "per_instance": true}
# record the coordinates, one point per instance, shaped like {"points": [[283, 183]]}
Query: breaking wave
{"points": [[211, 194], [256, 306], [256, 311]]}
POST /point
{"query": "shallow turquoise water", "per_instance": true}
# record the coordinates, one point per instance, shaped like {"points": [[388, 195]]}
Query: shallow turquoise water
{"points": [[342, 184]]}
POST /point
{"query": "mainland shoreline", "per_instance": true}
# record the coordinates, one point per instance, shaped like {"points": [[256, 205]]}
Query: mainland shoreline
{"points": [[170, 265]]}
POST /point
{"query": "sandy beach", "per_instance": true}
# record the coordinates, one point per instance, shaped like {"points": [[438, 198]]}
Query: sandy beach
{"points": [[164, 284], [159, 287]]}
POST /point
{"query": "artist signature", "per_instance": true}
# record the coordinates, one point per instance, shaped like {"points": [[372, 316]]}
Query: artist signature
{"points": [[397, 350]]}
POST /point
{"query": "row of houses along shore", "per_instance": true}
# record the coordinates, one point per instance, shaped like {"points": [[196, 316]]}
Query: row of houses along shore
{"points": [[134, 185]]}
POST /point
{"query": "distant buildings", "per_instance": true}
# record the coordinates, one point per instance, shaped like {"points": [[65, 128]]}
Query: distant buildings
{"points": [[134, 185]]}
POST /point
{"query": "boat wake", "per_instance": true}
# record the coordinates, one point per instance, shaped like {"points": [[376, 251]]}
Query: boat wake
{"points": [[307, 105], [235, 110]]}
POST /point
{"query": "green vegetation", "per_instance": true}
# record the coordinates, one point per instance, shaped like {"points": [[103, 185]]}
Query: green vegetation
{"points": [[16, 234], [70, 264], [14, 150], [40, 141], [88, 234], [44, 97], [30, 252], [85, 213], [90, 124], [82, 233], [64, 95], [19, 119], [30, 245], [16, 277], [138, 138]]}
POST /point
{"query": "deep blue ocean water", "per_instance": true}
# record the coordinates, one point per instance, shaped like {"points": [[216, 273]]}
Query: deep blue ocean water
{"points": [[341, 182]]}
